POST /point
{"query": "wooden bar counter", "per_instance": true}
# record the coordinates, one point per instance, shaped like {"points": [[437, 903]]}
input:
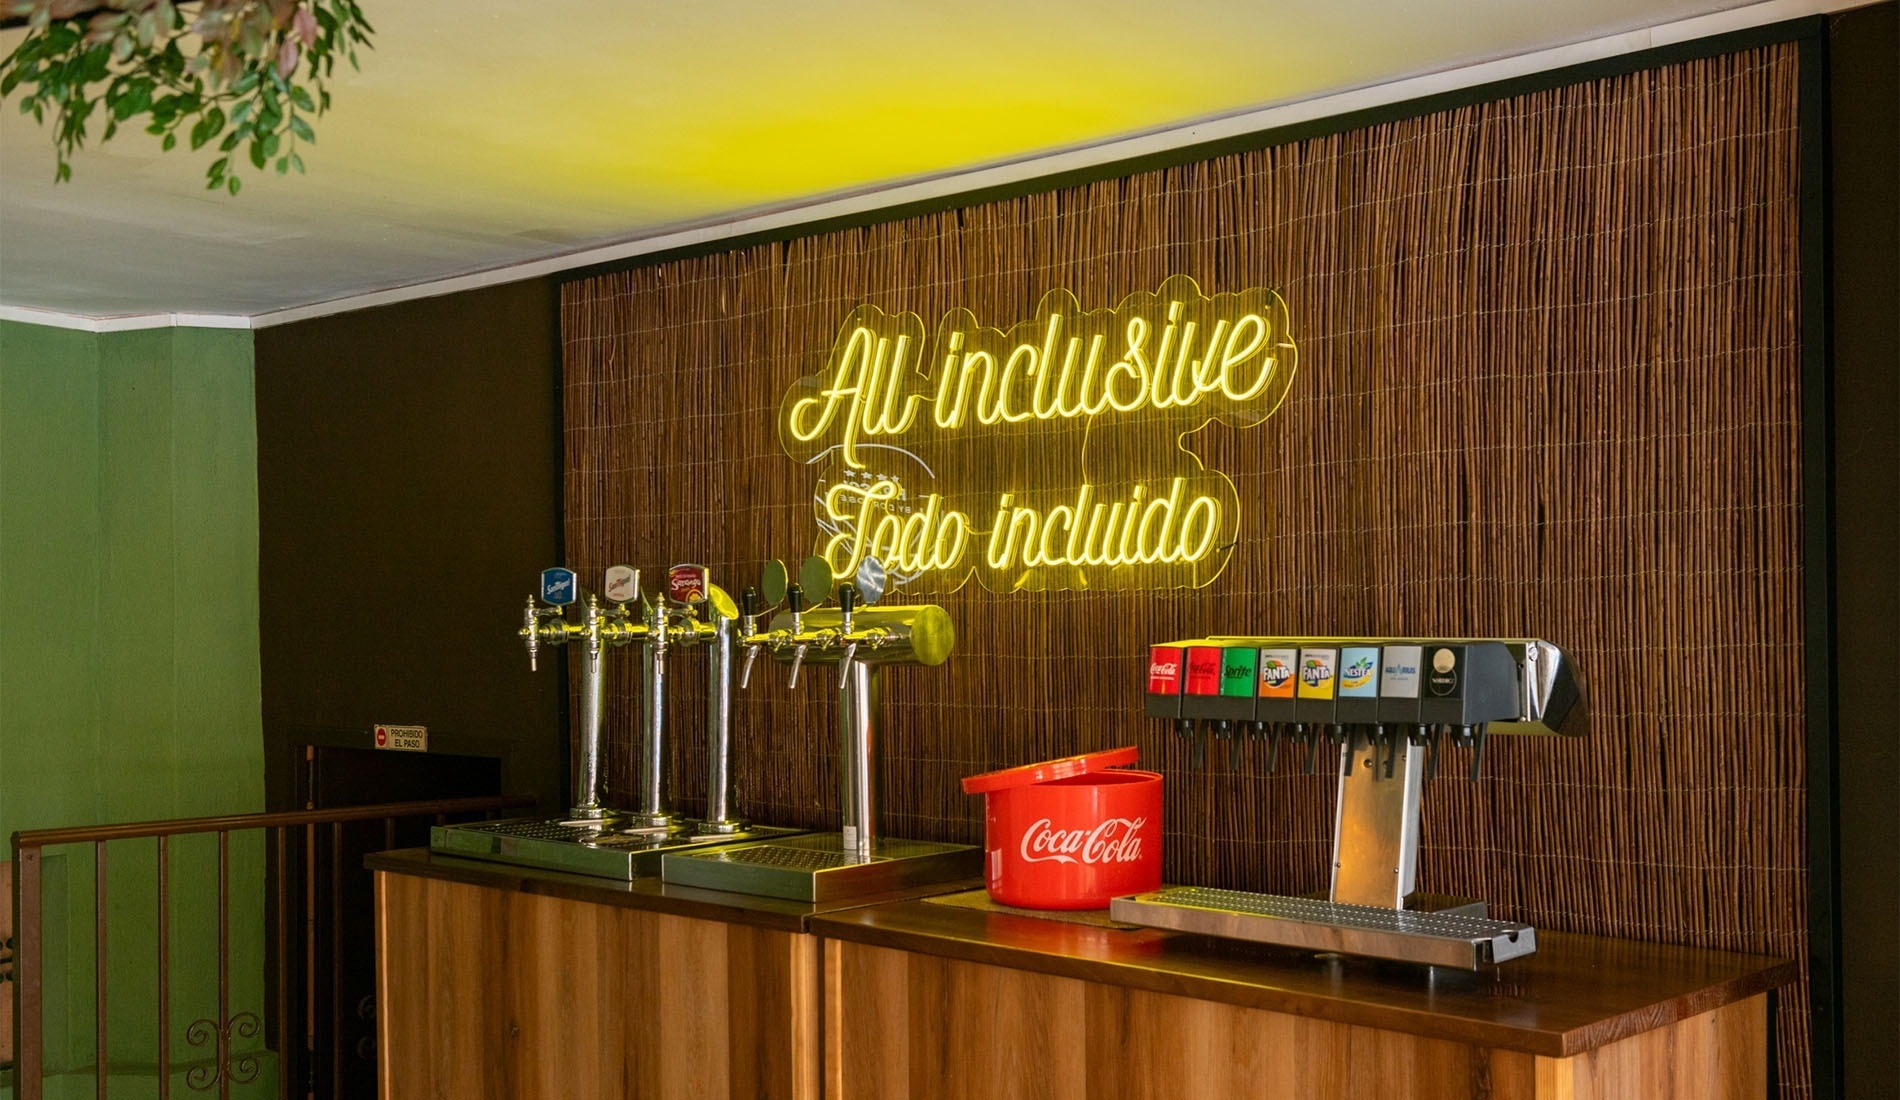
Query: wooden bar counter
{"points": [[503, 981], [925, 999], [511, 982]]}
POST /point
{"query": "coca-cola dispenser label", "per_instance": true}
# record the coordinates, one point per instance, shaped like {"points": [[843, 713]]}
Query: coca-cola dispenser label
{"points": [[1164, 669], [1203, 670], [1167, 666]]}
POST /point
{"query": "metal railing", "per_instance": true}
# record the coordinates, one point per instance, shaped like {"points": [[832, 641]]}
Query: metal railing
{"points": [[293, 874]]}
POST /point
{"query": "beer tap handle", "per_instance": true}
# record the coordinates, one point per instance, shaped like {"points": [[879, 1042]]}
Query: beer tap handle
{"points": [[1311, 741], [1200, 746], [847, 603], [1273, 743], [530, 630], [1226, 730], [1474, 735], [748, 627], [558, 588], [795, 603]]}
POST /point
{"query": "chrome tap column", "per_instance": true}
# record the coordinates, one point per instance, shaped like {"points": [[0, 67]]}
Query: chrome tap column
{"points": [[600, 627], [651, 813], [861, 641], [718, 634]]}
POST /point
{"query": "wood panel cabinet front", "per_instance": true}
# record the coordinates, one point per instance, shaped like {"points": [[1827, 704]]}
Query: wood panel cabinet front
{"points": [[496, 993], [901, 1025]]}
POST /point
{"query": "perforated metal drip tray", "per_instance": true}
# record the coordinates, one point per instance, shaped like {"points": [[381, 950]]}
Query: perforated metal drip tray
{"points": [[1440, 939], [816, 867], [606, 848]]}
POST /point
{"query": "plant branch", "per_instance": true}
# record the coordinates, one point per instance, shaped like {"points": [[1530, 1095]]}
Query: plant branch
{"points": [[248, 74]]}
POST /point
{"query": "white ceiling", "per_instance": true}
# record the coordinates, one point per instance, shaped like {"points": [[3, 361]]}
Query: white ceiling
{"points": [[485, 139]]}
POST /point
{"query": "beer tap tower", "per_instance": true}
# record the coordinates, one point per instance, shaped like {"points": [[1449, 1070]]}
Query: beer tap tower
{"points": [[861, 641], [1386, 705], [593, 838]]}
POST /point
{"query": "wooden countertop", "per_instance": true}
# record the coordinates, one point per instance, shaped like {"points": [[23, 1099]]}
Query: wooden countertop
{"points": [[640, 893], [1575, 994]]}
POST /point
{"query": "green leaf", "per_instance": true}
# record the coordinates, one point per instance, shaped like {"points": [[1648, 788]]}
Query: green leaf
{"points": [[170, 141], [296, 162], [258, 156], [301, 97], [302, 129], [233, 184]]}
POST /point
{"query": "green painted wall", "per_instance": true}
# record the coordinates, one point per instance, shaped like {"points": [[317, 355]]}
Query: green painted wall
{"points": [[129, 686]]}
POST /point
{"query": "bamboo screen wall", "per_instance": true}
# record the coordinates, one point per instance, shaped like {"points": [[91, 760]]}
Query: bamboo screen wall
{"points": [[1549, 386]]}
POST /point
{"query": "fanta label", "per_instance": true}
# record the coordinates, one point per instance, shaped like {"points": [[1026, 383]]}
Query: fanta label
{"points": [[1317, 673], [1276, 673]]}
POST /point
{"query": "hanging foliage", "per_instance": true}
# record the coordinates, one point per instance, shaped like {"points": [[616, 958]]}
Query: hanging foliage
{"points": [[244, 75]]}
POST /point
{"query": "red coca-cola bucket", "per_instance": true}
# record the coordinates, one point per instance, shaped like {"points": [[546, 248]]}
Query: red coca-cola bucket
{"points": [[1070, 833]]}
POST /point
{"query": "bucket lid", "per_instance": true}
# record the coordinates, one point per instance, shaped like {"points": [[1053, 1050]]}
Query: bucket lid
{"points": [[1029, 774]]}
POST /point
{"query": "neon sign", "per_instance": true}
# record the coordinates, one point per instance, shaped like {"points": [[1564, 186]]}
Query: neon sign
{"points": [[1048, 456]]}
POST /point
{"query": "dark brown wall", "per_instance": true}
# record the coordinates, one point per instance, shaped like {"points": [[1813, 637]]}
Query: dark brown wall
{"points": [[408, 492], [1864, 47]]}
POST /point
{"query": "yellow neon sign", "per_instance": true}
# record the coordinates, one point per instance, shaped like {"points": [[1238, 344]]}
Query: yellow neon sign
{"points": [[1051, 455]]}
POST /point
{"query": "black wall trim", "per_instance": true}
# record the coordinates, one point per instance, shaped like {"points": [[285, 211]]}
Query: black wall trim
{"points": [[1817, 574]]}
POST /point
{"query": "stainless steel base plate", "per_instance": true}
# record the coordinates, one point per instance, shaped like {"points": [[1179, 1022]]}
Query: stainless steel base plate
{"points": [[608, 848], [1440, 939], [817, 868]]}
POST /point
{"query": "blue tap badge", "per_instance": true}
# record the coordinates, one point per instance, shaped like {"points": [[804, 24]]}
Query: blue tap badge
{"points": [[557, 586]]}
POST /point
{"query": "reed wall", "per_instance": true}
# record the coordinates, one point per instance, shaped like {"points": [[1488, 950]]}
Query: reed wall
{"points": [[1549, 385]]}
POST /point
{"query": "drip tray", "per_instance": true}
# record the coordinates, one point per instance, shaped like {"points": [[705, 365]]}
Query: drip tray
{"points": [[1440, 939], [606, 848], [816, 867]]}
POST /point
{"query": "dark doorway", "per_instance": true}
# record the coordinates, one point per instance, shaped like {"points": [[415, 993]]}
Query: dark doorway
{"points": [[333, 897]]}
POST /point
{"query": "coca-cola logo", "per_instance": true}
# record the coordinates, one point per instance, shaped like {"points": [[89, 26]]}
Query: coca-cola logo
{"points": [[1114, 840]]}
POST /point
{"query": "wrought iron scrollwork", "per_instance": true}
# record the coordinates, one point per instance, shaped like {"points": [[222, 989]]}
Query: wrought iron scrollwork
{"points": [[241, 1070]]}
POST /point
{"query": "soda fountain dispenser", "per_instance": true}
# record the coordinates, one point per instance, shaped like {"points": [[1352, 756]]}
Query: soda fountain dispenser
{"points": [[1387, 705], [861, 641]]}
